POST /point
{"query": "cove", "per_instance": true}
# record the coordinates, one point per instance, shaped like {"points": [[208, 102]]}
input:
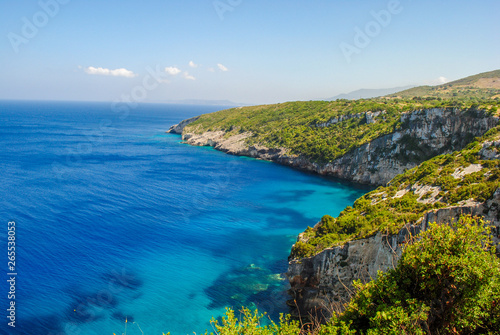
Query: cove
{"points": [[118, 220]]}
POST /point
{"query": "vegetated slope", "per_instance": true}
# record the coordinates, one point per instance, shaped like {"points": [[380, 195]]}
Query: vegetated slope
{"points": [[446, 282], [481, 86], [471, 175], [321, 131]]}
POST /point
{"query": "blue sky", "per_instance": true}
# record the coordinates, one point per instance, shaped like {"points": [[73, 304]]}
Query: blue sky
{"points": [[249, 51]]}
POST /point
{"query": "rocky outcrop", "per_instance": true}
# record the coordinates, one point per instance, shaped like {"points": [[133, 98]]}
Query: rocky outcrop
{"points": [[370, 117], [234, 145], [422, 135], [178, 128], [322, 283]]}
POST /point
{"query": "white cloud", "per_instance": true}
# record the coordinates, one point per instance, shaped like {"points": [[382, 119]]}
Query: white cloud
{"points": [[192, 64], [222, 67], [442, 80], [171, 70], [438, 81], [211, 69], [107, 72], [188, 76]]}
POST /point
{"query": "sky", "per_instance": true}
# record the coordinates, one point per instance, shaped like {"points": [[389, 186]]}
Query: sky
{"points": [[246, 51]]}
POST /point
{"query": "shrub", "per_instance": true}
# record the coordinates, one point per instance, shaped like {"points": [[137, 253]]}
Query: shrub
{"points": [[250, 323], [448, 282]]}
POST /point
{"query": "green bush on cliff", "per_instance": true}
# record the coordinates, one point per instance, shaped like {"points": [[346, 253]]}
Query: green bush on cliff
{"points": [[250, 322], [448, 282]]}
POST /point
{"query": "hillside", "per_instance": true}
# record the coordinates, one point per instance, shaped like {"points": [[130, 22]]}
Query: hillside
{"points": [[365, 141], [471, 175], [480, 86]]}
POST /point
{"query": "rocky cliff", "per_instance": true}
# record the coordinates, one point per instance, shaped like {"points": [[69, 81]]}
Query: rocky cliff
{"points": [[178, 128], [322, 283], [423, 134], [465, 183]]}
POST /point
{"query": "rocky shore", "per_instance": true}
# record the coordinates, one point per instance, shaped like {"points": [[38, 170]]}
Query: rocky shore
{"points": [[423, 134]]}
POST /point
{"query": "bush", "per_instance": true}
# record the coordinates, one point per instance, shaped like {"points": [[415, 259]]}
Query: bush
{"points": [[250, 323], [448, 282]]}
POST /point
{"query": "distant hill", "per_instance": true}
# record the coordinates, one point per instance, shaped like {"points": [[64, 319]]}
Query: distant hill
{"points": [[367, 93], [484, 85]]}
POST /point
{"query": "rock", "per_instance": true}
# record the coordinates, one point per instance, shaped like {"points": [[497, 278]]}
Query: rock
{"points": [[178, 128]]}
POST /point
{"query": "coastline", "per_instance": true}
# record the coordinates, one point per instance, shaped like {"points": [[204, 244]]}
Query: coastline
{"points": [[374, 163]]}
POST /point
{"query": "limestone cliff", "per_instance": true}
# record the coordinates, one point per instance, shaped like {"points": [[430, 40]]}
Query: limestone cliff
{"points": [[322, 283], [178, 128], [423, 134]]}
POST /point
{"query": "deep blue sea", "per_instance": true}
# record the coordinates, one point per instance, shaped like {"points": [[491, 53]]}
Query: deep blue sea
{"points": [[116, 220]]}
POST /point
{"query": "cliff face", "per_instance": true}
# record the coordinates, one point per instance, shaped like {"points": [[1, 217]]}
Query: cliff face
{"points": [[178, 128], [423, 134], [322, 283]]}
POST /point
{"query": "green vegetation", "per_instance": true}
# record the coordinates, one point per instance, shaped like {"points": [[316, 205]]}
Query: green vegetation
{"points": [[446, 282], [251, 323], [442, 181], [297, 126]]}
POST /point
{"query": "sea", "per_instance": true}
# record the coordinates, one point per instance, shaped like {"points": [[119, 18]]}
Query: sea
{"points": [[120, 228]]}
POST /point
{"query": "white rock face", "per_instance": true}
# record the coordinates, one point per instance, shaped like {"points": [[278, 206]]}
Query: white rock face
{"points": [[178, 128], [460, 172], [490, 150]]}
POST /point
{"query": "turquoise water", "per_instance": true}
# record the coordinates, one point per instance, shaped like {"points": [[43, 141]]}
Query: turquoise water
{"points": [[117, 219]]}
